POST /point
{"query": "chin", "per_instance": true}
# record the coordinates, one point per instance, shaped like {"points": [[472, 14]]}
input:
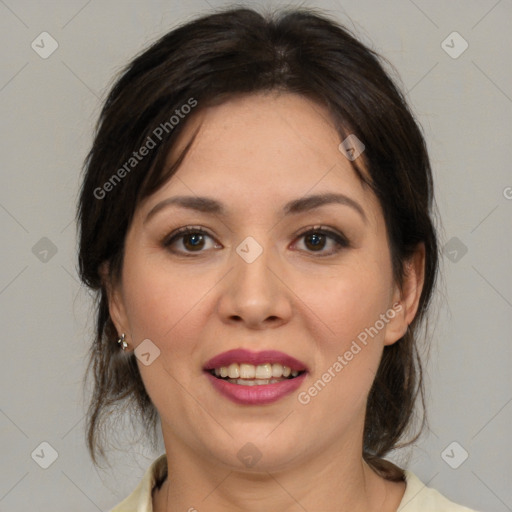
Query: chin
{"points": [[259, 451]]}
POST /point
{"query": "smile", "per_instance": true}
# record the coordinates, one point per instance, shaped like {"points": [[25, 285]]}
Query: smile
{"points": [[262, 378], [249, 374]]}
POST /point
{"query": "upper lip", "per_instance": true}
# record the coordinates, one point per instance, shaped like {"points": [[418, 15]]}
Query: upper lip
{"points": [[240, 355]]}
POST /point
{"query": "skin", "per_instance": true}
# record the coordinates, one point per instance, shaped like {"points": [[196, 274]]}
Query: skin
{"points": [[254, 154]]}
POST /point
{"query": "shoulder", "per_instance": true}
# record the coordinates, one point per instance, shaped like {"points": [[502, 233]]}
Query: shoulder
{"points": [[420, 498], [141, 500]]}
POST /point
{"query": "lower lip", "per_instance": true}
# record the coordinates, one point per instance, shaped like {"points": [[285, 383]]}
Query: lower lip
{"points": [[257, 394]]}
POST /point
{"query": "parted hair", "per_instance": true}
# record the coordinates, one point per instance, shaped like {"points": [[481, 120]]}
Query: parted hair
{"points": [[207, 61]]}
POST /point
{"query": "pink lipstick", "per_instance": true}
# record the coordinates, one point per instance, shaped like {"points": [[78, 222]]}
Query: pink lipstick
{"points": [[255, 358], [255, 378]]}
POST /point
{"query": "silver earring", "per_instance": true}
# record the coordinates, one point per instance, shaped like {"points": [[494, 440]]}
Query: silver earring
{"points": [[121, 341]]}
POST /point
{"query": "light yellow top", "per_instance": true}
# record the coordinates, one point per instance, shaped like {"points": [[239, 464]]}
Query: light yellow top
{"points": [[417, 497]]}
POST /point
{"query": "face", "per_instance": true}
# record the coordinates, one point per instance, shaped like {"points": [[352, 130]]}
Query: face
{"points": [[262, 268]]}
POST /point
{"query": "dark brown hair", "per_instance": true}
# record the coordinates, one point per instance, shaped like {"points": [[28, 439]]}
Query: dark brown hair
{"points": [[208, 61]]}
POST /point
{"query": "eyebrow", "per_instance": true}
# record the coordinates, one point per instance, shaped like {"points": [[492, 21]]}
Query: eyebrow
{"points": [[209, 205]]}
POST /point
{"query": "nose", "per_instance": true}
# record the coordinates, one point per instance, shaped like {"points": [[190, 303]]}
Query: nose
{"points": [[255, 294]]}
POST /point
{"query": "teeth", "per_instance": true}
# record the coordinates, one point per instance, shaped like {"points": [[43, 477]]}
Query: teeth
{"points": [[247, 371], [254, 382], [264, 373], [233, 371], [277, 370]]}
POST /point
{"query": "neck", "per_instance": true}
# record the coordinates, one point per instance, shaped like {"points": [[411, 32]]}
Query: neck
{"points": [[341, 478]]}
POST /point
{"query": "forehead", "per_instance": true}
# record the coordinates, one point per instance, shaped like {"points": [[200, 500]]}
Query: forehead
{"points": [[262, 149]]}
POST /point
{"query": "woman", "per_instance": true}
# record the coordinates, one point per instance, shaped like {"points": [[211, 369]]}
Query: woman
{"points": [[256, 219]]}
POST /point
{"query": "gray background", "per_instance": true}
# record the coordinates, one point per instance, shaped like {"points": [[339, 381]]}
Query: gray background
{"points": [[48, 108]]}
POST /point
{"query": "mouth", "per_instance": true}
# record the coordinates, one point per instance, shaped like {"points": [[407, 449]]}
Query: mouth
{"points": [[255, 378], [245, 374]]}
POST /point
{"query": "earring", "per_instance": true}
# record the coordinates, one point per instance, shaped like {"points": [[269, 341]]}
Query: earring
{"points": [[121, 341]]}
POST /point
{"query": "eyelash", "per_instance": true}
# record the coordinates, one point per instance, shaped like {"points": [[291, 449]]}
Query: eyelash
{"points": [[340, 241]]}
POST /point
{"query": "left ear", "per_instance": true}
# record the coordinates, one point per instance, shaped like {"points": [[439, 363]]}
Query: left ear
{"points": [[406, 298]]}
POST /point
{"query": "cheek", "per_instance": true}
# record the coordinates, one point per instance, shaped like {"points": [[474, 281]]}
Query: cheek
{"points": [[170, 308], [160, 302], [166, 308], [349, 303], [348, 352], [349, 333]]}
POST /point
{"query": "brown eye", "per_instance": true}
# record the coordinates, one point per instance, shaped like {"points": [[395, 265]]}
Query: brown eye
{"points": [[193, 241], [317, 239], [188, 240]]}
